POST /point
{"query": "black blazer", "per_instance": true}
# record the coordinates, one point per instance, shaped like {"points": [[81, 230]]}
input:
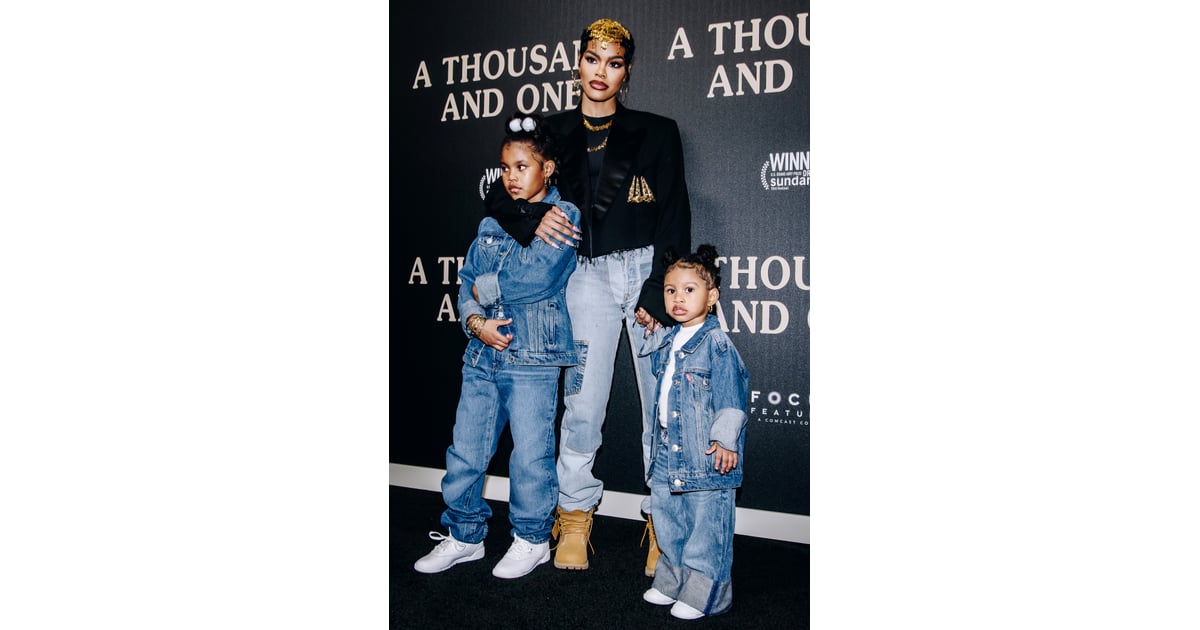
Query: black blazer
{"points": [[641, 196]]}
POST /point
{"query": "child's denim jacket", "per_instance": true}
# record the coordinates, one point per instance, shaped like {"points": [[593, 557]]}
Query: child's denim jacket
{"points": [[708, 400], [527, 284]]}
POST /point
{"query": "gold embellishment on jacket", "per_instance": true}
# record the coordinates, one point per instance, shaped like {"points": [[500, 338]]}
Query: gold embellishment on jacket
{"points": [[639, 191]]}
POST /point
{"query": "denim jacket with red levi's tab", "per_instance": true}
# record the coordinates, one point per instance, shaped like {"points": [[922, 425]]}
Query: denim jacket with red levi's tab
{"points": [[708, 399]]}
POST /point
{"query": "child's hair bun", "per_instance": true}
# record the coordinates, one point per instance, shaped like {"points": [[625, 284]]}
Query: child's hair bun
{"points": [[516, 124], [531, 128], [522, 124], [707, 255], [703, 259]]}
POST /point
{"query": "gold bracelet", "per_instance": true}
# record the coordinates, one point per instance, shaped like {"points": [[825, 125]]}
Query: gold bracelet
{"points": [[475, 324]]}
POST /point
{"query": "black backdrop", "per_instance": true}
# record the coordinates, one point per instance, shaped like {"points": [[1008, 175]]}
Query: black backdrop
{"points": [[735, 76]]}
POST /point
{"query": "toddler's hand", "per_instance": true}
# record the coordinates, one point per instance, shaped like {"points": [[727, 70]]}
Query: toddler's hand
{"points": [[725, 460], [644, 318]]}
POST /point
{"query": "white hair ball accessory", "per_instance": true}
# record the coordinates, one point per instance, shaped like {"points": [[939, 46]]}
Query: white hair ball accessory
{"points": [[528, 124], [515, 125]]}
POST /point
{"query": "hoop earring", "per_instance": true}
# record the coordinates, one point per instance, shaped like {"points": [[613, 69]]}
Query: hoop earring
{"points": [[576, 88]]}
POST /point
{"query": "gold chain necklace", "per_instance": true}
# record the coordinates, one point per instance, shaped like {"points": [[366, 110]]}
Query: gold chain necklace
{"points": [[591, 127]]}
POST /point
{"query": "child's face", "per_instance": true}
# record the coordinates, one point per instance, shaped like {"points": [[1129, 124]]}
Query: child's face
{"points": [[602, 70], [686, 297], [523, 172]]}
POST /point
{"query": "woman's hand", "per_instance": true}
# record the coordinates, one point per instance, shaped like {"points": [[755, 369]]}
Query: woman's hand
{"points": [[555, 228]]}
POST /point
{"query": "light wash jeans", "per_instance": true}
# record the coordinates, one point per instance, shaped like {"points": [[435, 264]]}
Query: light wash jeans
{"points": [[495, 393], [695, 536], [602, 296]]}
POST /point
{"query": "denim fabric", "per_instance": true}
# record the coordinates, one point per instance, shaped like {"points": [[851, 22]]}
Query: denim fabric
{"points": [[495, 393], [602, 296], [518, 387], [695, 536], [708, 399], [527, 284]]}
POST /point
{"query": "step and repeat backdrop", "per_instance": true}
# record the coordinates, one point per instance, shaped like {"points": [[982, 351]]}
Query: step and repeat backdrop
{"points": [[735, 77]]}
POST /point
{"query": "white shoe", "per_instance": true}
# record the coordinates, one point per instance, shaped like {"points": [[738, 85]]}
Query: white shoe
{"points": [[656, 597], [448, 553], [522, 557], [682, 611]]}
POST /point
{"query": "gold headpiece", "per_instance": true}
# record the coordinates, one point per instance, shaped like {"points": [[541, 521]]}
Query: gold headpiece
{"points": [[607, 32]]}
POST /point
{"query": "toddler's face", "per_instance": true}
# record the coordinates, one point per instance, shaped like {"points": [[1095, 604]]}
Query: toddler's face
{"points": [[686, 296]]}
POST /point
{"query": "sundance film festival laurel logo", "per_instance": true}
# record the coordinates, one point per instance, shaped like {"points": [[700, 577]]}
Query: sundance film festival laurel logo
{"points": [[489, 175], [784, 171]]}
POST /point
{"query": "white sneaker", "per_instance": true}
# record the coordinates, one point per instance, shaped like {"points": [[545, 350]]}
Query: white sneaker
{"points": [[656, 597], [522, 557], [682, 611], [448, 553]]}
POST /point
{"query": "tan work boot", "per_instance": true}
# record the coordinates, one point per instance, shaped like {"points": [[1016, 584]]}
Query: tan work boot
{"points": [[575, 528], [653, 553]]}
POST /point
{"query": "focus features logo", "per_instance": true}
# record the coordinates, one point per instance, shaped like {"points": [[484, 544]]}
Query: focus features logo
{"points": [[783, 171], [777, 408]]}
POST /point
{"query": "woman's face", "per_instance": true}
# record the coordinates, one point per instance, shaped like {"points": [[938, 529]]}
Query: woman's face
{"points": [[602, 69]]}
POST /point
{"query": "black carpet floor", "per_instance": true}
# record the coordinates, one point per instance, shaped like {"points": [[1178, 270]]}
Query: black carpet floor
{"points": [[770, 580]]}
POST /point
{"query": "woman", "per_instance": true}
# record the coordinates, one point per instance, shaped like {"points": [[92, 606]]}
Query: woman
{"points": [[624, 170]]}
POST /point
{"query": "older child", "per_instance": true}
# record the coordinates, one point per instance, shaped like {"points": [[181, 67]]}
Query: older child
{"points": [[696, 467], [513, 308]]}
